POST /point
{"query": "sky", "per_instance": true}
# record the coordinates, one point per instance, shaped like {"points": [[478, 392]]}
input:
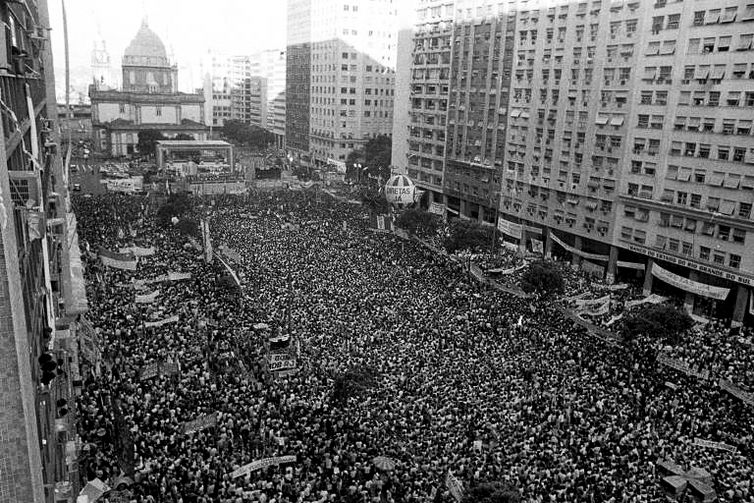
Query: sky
{"points": [[187, 27]]}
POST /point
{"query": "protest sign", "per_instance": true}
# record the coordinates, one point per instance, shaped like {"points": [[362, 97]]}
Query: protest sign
{"points": [[200, 423], [261, 463], [682, 367], [454, 486], [147, 298], [747, 398], [714, 445], [151, 324]]}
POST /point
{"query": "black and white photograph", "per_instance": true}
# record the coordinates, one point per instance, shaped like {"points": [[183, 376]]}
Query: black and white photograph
{"points": [[377, 251]]}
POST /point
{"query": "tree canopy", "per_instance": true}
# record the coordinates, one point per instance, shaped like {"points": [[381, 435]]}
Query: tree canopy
{"points": [[542, 277], [241, 133], [419, 222], [491, 492], [376, 157], [661, 322], [148, 139], [177, 205], [467, 235]]}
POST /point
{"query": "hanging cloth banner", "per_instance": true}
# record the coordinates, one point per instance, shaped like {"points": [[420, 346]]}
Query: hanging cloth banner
{"points": [[148, 298], [583, 254], [438, 209], [178, 276], [747, 398], [687, 285], [651, 299], [714, 445], [595, 310], [139, 251], [172, 319], [230, 270], [582, 303], [118, 260], [261, 463], [682, 367], [631, 265], [511, 229], [454, 486], [537, 246]]}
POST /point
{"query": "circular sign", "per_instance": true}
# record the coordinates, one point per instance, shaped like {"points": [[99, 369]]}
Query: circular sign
{"points": [[400, 190]]}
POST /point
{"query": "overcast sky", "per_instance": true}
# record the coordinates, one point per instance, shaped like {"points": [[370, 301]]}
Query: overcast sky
{"points": [[188, 27]]}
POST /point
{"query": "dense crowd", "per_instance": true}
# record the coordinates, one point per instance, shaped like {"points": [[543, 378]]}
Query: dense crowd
{"points": [[468, 379]]}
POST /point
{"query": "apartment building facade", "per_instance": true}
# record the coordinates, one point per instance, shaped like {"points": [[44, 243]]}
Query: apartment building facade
{"points": [[347, 51], [227, 89], [42, 293], [686, 195], [479, 92], [626, 142]]}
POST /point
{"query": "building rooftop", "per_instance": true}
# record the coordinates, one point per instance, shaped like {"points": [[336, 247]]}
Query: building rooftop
{"points": [[194, 143], [146, 44]]}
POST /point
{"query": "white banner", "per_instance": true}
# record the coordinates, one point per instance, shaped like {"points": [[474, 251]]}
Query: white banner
{"points": [[507, 271], [139, 251], [261, 463], [147, 298], [581, 303], [454, 486], [687, 285], [737, 392], [630, 265], [282, 361], [583, 254], [595, 310], [509, 228], [128, 265], [178, 276], [437, 209], [172, 319], [651, 299], [682, 367], [537, 246], [714, 445]]}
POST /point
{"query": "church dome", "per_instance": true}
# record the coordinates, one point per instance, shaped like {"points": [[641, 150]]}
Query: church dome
{"points": [[146, 49]]}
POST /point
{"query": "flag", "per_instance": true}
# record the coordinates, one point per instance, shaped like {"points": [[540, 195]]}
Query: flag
{"points": [[118, 260]]}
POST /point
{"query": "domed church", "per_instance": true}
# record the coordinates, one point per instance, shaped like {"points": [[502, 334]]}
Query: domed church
{"points": [[148, 100]]}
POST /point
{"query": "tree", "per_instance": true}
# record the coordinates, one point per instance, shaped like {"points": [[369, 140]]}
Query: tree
{"points": [[177, 205], [374, 200], [189, 227], [419, 222], [542, 277], [491, 492], [184, 136], [663, 323], [353, 383], [148, 139], [467, 235], [247, 134], [376, 157]]}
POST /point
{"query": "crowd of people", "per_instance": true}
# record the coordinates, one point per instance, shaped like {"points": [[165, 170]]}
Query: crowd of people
{"points": [[468, 380]]}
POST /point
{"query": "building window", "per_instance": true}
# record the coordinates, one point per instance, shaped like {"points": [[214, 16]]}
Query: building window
{"points": [[158, 111], [734, 261], [122, 108]]}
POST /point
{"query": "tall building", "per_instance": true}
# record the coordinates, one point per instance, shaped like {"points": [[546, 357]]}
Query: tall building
{"points": [[42, 294], [149, 100], [476, 128], [227, 89], [297, 78], [340, 76], [271, 65], [103, 74], [624, 144]]}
